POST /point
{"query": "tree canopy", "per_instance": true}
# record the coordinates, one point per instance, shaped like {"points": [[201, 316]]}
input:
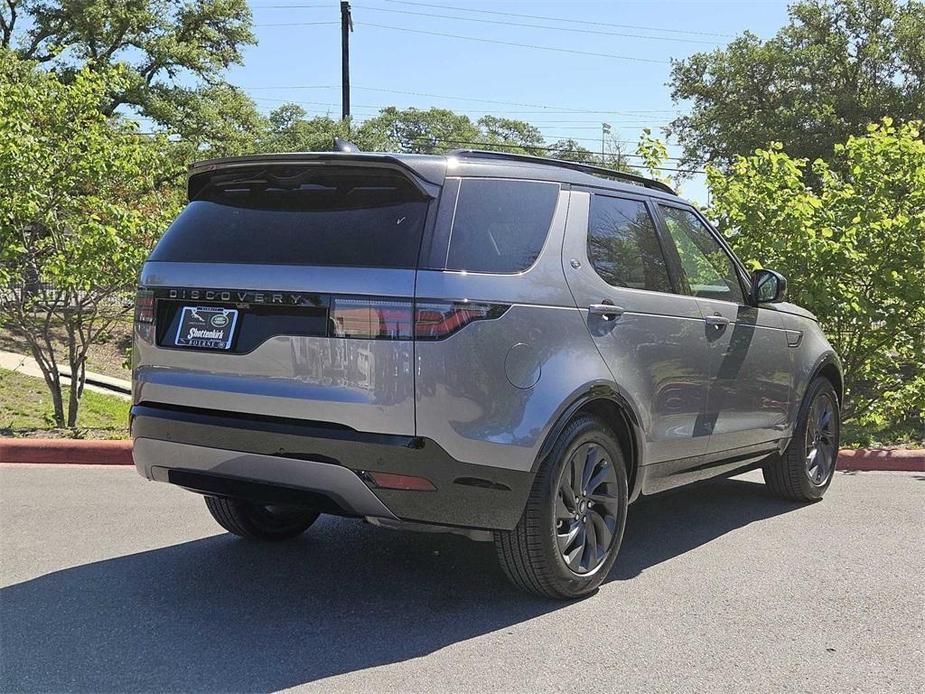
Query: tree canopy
{"points": [[174, 53], [420, 131], [853, 250], [836, 67], [85, 198]]}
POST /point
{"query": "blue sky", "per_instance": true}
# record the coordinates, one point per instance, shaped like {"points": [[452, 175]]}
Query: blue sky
{"points": [[567, 93]]}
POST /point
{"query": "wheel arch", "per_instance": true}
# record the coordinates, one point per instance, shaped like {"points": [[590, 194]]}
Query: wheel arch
{"points": [[606, 403], [829, 367]]}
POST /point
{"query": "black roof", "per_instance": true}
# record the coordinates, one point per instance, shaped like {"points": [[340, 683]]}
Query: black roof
{"points": [[433, 168], [600, 171]]}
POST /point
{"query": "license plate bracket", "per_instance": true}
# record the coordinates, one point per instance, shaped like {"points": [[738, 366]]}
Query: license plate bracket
{"points": [[206, 327]]}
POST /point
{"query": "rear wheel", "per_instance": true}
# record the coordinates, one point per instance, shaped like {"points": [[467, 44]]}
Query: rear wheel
{"points": [[570, 532], [805, 469], [259, 521]]}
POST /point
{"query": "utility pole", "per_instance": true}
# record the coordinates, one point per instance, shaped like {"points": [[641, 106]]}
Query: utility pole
{"points": [[346, 26], [605, 128]]}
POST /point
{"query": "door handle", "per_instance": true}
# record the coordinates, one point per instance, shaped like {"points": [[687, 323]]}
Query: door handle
{"points": [[606, 311], [716, 321]]}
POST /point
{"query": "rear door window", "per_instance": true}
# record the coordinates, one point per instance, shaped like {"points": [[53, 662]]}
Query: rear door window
{"points": [[623, 245], [300, 216], [500, 225]]}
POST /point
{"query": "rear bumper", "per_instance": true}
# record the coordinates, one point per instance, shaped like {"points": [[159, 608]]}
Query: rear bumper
{"points": [[258, 477], [321, 465]]}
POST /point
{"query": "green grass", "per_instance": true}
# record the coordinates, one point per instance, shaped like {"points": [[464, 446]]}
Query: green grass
{"points": [[26, 410]]}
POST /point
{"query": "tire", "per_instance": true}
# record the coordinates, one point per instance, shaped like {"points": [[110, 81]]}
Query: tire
{"points": [[259, 522], [530, 554], [794, 476]]}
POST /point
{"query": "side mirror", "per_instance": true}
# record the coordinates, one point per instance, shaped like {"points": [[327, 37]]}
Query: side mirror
{"points": [[768, 287]]}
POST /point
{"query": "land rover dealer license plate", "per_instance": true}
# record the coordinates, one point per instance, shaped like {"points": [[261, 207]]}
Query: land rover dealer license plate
{"points": [[208, 327]]}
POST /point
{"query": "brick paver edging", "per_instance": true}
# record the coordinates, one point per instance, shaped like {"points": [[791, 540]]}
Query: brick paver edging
{"points": [[66, 451]]}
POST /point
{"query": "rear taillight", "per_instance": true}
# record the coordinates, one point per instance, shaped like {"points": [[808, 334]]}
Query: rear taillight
{"points": [[394, 319], [371, 318], [144, 306], [436, 320]]}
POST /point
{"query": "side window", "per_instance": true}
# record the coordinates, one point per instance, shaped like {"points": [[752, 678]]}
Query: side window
{"points": [[709, 271], [623, 246], [500, 225]]}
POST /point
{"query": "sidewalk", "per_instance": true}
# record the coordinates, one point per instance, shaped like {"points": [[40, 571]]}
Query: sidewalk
{"points": [[98, 383]]}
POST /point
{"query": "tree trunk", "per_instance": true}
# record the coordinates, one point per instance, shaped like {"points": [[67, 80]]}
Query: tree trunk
{"points": [[73, 398], [54, 386], [52, 380], [78, 378]]}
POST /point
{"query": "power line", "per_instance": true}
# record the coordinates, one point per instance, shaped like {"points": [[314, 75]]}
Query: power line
{"points": [[294, 24], [479, 100], [566, 20], [509, 23], [515, 44], [373, 111], [376, 110], [465, 98], [557, 19]]}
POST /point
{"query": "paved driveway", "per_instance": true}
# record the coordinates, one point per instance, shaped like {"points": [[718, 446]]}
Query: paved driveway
{"points": [[111, 583]]}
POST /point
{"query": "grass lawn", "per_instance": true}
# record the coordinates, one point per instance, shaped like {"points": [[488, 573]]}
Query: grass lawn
{"points": [[26, 410]]}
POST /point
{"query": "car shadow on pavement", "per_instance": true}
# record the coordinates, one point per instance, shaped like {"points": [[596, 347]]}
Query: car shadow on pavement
{"points": [[222, 614], [672, 523]]}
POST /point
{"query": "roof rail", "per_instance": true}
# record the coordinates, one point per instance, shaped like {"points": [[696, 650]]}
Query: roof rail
{"points": [[574, 165]]}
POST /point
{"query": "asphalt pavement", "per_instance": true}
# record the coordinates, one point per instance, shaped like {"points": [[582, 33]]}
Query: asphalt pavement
{"points": [[109, 583]]}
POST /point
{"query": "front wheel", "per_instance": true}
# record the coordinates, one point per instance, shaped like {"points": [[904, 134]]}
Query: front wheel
{"points": [[570, 532], [805, 470], [258, 521]]}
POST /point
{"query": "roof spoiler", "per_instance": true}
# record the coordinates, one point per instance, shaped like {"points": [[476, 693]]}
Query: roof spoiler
{"points": [[199, 172]]}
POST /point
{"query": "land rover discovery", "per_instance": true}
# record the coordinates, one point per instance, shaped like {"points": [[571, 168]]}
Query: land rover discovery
{"points": [[505, 346]]}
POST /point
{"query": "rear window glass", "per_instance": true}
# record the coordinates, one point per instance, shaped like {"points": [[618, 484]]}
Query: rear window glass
{"points": [[500, 225], [300, 216]]}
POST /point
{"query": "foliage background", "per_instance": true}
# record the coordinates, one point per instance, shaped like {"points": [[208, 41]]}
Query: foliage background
{"points": [[813, 138], [853, 249]]}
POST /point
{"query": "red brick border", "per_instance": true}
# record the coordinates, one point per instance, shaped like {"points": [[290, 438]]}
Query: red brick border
{"points": [[83, 452], [66, 451], [882, 459]]}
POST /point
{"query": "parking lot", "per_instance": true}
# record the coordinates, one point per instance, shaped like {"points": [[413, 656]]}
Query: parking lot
{"points": [[111, 583]]}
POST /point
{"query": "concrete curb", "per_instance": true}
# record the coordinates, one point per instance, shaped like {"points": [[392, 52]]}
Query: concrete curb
{"points": [[66, 451], [882, 459], [83, 452]]}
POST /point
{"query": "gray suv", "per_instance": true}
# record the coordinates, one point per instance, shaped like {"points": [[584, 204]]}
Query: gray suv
{"points": [[504, 346]]}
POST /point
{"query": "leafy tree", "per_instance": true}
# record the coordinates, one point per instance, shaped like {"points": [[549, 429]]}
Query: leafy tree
{"points": [[438, 130], [513, 135], [654, 154], [569, 149], [174, 52], [853, 251], [214, 120], [837, 66], [81, 208], [290, 130], [433, 131]]}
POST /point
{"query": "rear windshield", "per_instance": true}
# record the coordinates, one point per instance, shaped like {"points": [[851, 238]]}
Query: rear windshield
{"points": [[300, 216], [500, 226]]}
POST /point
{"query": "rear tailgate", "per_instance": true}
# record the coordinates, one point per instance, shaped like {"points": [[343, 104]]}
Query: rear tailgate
{"points": [[308, 273]]}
